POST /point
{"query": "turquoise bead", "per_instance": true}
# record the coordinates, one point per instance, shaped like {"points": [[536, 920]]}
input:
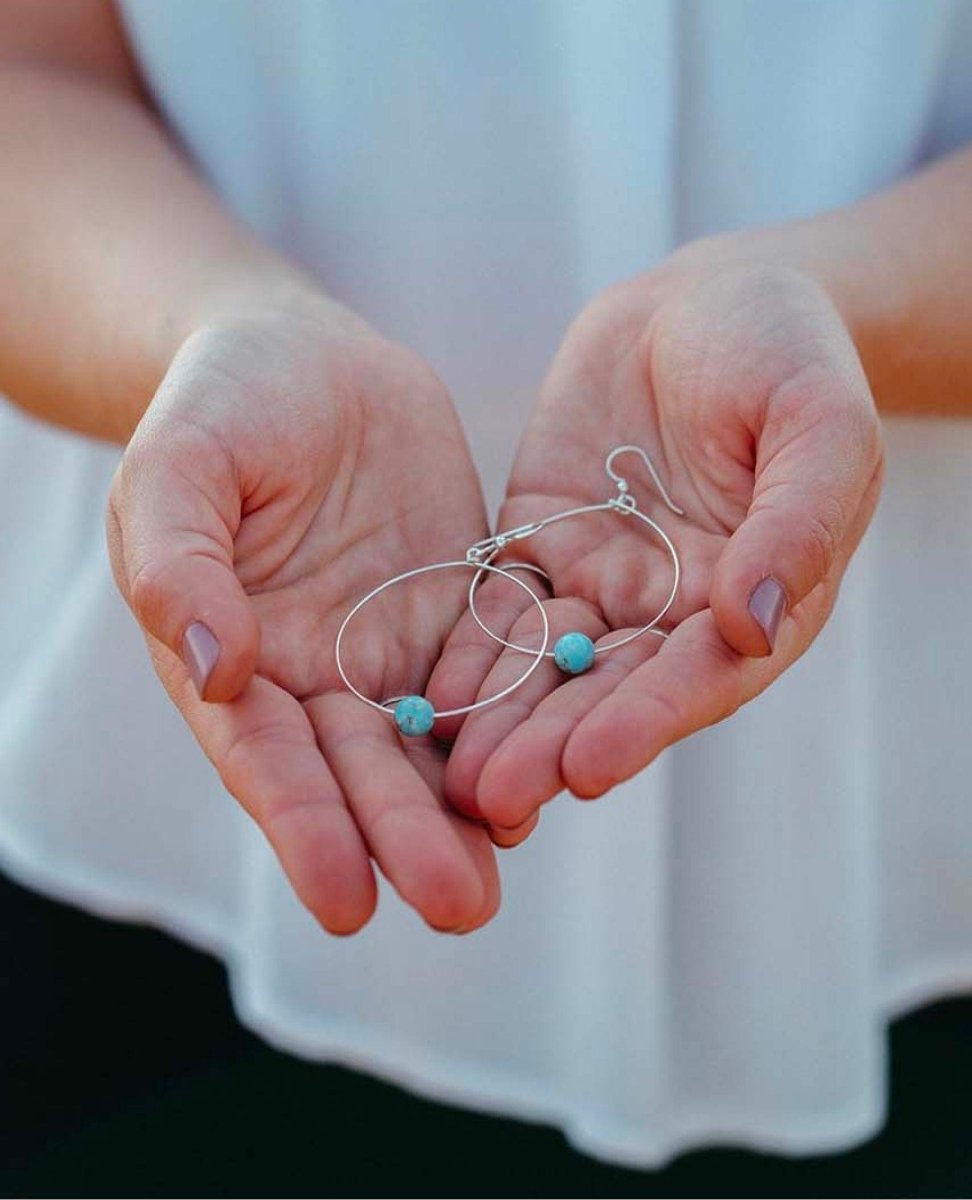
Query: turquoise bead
{"points": [[574, 653], [414, 715]]}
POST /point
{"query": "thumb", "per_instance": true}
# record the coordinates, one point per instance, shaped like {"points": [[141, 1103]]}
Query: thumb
{"points": [[818, 454], [172, 517]]}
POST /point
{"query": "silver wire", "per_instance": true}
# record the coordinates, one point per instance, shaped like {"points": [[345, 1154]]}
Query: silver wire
{"points": [[482, 553], [388, 705], [525, 566], [656, 479]]}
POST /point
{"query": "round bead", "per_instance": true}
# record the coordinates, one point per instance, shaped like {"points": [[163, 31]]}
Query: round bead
{"points": [[574, 653], [414, 715]]}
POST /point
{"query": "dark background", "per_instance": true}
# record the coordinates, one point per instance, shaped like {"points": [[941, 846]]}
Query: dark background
{"points": [[124, 1073]]}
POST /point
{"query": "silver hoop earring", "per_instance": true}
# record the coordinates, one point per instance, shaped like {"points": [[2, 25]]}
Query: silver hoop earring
{"points": [[574, 652], [414, 715]]}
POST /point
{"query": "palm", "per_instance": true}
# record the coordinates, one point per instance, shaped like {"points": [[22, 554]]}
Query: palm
{"points": [[335, 467], [394, 490], [634, 370]]}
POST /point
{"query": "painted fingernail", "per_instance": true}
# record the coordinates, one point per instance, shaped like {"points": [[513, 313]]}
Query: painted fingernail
{"points": [[200, 651], [767, 604]]}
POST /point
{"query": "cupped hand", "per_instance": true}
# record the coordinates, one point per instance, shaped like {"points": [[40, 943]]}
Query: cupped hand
{"points": [[742, 383], [291, 461]]}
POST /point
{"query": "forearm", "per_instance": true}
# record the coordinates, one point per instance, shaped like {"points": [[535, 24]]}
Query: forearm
{"points": [[112, 251], [899, 268]]}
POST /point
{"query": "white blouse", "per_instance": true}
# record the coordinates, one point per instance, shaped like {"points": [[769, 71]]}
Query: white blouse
{"points": [[713, 951]]}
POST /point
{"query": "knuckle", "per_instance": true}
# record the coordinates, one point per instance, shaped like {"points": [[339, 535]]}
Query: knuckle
{"points": [[236, 770], [526, 628], [657, 701], [281, 811], [854, 417], [149, 592], [820, 538]]}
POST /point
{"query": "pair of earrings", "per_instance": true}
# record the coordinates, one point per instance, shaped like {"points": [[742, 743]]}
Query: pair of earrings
{"points": [[573, 652]]}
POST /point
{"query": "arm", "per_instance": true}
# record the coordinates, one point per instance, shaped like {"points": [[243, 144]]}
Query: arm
{"points": [[262, 488], [112, 250], [898, 267], [738, 363]]}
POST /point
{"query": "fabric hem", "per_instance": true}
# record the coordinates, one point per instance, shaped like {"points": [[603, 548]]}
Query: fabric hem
{"points": [[495, 1093]]}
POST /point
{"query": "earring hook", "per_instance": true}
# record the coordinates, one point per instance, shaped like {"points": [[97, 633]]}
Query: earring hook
{"points": [[623, 483]]}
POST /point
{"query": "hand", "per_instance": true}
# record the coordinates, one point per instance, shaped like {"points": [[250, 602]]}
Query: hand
{"points": [[290, 462], [743, 384]]}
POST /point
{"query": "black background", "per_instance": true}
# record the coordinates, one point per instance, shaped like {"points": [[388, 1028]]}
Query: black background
{"points": [[124, 1073]]}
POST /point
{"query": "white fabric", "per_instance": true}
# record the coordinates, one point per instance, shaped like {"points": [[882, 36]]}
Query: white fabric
{"points": [[713, 952]]}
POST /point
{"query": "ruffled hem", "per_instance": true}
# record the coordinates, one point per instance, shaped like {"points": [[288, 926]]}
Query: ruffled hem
{"points": [[444, 1079]]}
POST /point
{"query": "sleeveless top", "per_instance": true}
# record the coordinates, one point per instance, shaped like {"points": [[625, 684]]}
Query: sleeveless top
{"points": [[713, 951]]}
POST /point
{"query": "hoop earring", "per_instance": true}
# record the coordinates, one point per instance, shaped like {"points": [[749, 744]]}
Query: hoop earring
{"points": [[574, 652], [414, 715]]}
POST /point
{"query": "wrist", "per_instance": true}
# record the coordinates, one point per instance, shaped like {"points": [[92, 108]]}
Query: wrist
{"points": [[896, 268], [843, 253], [248, 298], [269, 288]]}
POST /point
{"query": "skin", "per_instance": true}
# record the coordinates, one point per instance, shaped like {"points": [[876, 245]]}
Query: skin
{"points": [[733, 418], [263, 489], [752, 365], [263, 493]]}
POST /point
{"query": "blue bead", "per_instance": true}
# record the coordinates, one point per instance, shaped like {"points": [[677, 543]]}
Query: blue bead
{"points": [[574, 653], [414, 715]]}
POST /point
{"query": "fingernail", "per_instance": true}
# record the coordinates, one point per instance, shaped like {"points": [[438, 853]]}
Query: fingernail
{"points": [[200, 650], [767, 604]]}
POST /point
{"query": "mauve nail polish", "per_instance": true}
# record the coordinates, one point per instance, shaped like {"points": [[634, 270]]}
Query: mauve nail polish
{"points": [[200, 650], [767, 605]]}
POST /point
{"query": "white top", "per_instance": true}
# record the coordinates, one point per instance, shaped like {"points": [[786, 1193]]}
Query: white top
{"points": [[713, 951]]}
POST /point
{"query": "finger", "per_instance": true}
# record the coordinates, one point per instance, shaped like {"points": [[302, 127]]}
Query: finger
{"points": [[507, 839], [469, 656], [525, 770], [482, 732], [264, 748], [819, 452], [421, 847], [469, 653], [172, 518], [429, 761], [695, 680], [479, 844]]}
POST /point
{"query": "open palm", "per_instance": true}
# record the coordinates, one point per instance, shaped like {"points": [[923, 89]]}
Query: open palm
{"points": [[287, 465], [744, 387]]}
